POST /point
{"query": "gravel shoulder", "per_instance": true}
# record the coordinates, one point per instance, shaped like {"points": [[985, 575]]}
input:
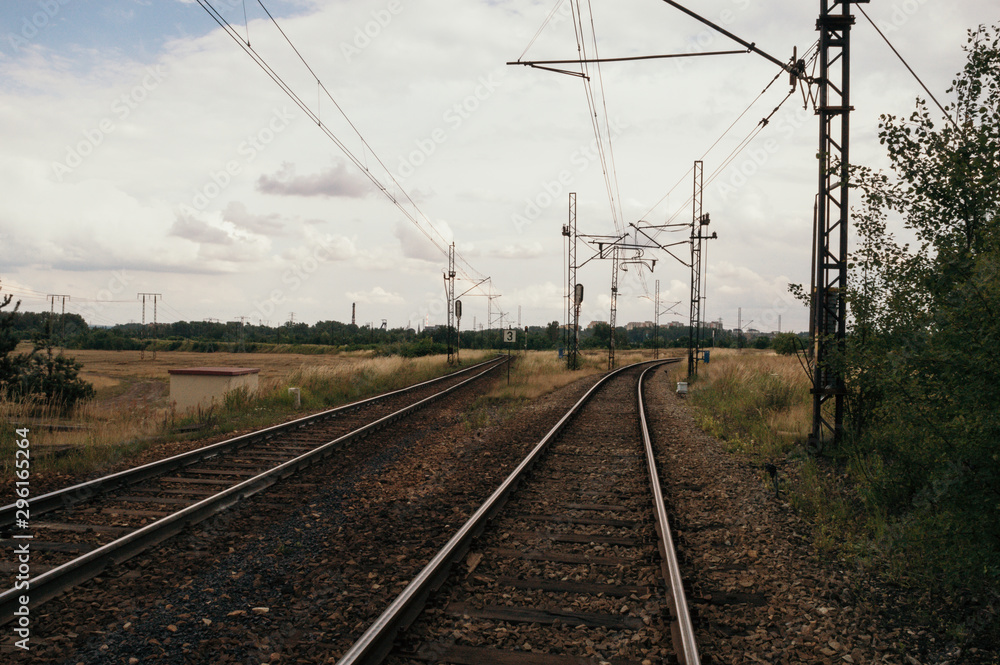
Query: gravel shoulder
{"points": [[760, 588], [297, 573]]}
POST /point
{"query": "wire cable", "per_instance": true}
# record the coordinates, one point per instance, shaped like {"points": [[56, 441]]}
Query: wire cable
{"points": [[910, 69], [809, 56], [416, 216], [362, 164], [545, 23]]}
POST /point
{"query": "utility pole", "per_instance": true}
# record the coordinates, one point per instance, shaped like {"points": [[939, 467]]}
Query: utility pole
{"points": [[458, 331], [572, 301], [739, 329], [62, 318], [449, 290], [614, 308], [656, 323], [577, 303], [154, 297], [240, 348], [573, 334], [354, 311], [699, 221], [829, 281], [489, 324]]}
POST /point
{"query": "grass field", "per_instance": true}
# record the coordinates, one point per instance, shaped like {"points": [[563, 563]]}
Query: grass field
{"points": [[756, 401], [132, 409]]}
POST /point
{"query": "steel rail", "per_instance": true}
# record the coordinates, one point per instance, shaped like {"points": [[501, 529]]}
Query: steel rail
{"points": [[376, 642], [681, 628], [69, 496], [72, 573]]}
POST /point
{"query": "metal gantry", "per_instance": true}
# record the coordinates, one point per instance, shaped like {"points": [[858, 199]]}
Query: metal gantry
{"points": [[657, 310], [828, 307]]}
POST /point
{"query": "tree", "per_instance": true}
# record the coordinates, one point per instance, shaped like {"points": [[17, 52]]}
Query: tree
{"points": [[552, 332], [8, 342], [786, 344], [922, 364], [53, 378]]}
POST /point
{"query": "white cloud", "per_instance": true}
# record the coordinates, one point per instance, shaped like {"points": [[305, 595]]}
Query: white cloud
{"points": [[376, 295], [335, 181], [200, 133]]}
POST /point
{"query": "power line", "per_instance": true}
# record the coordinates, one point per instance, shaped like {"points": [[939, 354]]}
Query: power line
{"points": [[416, 216], [545, 23], [910, 69], [809, 57]]}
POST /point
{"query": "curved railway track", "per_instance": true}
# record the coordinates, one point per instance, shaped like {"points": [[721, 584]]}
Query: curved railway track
{"points": [[569, 562], [90, 526]]}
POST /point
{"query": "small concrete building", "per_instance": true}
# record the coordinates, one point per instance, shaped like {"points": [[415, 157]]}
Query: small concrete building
{"points": [[192, 387]]}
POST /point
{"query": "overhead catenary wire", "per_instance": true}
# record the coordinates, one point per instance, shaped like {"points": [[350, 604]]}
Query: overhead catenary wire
{"points": [[616, 195], [910, 69], [366, 147], [581, 45], [545, 23], [809, 56], [408, 208]]}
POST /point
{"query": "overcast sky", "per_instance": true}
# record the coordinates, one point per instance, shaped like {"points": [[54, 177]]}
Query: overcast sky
{"points": [[144, 151]]}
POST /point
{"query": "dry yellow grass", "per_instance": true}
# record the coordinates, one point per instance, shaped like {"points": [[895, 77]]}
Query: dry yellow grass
{"points": [[757, 400], [132, 406], [538, 373]]}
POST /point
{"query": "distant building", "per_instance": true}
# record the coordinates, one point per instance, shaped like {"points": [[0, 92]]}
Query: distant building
{"points": [[594, 324], [715, 325], [675, 324], [633, 325]]}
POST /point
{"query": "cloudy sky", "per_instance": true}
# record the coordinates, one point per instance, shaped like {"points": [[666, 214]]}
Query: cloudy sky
{"points": [[145, 151]]}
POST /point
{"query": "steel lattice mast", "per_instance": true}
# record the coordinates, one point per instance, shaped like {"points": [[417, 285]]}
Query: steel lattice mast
{"points": [[694, 330], [829, 281], [449, 287], [572, 308]]}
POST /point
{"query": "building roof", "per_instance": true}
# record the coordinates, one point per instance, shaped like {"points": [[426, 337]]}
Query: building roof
{"points": [[215, 371]]}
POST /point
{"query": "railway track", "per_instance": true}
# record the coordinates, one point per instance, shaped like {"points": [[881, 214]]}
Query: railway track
{"points": [[569, 562], [76, 533]]}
